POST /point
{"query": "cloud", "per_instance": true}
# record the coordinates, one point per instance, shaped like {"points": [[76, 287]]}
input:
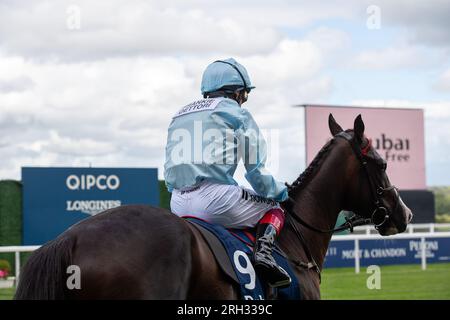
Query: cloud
{"points": [[443, 83], [45, 30], [291, 60], [279, 14], [75, 147], [403, 57], [329, 39], [115, 112], [16, 85], [80, 112], [425, 22]]}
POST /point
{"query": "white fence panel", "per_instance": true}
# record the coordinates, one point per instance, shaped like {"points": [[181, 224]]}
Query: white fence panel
{"points": [[17, 250]]}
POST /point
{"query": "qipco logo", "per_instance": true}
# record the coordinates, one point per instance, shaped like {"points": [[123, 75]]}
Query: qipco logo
{"points": [[89, 181]]}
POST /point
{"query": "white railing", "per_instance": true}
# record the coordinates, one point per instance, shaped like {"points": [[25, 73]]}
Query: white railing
{"points": [[17, 250], [422, 236], [411, 228]]}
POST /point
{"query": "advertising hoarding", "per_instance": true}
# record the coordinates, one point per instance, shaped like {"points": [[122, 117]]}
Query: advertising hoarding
{"points": [[397, 134], [387, 252], [56, 198]]}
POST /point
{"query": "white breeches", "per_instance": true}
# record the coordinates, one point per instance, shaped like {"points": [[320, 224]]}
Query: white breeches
{"points": [[227, 205]]}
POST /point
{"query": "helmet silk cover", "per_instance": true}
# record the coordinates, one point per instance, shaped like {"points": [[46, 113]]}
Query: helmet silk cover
{"points": [[222, 73]]}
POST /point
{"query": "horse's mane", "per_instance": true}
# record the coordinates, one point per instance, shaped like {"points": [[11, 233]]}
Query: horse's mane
{"points": [[307, 175]]}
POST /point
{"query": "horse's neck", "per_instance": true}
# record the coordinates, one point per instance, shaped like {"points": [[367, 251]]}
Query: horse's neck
{"points": [[319, 204]]}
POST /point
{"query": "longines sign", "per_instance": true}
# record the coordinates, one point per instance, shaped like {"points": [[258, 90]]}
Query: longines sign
{"points": [[397, 134], [56, 198]]}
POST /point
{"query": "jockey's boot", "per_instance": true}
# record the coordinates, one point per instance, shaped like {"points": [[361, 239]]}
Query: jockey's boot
{"points": [[264, 263]]}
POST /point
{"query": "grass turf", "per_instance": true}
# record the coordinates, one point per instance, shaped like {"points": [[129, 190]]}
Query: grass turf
{"points": [[401, 282], [6, 293]]}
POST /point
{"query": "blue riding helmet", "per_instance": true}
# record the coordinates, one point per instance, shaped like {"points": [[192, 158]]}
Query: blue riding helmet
{"points": [[222, 73]]}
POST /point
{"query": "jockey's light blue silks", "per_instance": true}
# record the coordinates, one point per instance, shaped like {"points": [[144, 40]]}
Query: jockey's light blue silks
{"points": [[207, 139]]}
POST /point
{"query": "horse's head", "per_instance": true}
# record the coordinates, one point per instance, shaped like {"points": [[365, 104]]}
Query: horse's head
{"points": [[369, 192]]}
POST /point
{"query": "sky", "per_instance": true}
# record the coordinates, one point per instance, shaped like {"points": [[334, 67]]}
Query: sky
{"points": [[86, 83]]}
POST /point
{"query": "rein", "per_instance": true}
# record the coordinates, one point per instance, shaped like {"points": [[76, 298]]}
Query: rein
{"points": [[349, 223]]}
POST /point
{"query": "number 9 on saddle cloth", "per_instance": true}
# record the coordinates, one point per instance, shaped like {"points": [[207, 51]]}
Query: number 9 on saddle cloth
{"points": [[232, 249]]}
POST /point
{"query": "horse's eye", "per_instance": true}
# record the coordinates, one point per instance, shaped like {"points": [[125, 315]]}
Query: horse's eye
{"points": [[383, 165]]}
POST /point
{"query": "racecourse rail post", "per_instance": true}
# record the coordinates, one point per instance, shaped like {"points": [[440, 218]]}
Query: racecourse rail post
{"points": [[423, 253], [357, 267], [17, 258]]}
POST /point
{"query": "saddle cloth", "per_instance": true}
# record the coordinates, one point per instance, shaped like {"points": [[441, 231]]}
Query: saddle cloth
{"points": [[232, 249]]}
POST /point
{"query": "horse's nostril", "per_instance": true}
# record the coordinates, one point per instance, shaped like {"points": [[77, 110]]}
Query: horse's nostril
{"points": [[410, 216]]}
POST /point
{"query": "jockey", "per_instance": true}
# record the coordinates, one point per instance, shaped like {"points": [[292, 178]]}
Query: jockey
{"points": [[206, 140]]}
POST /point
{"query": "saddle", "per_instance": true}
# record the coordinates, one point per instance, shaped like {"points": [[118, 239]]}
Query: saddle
{"points": [[232, 249]]}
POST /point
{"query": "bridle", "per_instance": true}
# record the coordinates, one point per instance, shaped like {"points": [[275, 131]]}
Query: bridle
{"points": [[380, 214]]}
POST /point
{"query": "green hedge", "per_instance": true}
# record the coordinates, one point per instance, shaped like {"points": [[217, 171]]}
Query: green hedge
{"points": [[164, 195], [10, 216], [442, 200]]}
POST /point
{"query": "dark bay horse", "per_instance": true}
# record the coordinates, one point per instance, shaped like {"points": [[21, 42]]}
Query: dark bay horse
{"points": [[143, 252]]}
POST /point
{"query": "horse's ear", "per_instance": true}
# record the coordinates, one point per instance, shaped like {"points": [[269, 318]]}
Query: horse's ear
{"points": [[333, 125], [358, 128]]}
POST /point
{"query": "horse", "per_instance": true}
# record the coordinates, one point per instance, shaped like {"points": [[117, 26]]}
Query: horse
{"points": [[144, 252]]}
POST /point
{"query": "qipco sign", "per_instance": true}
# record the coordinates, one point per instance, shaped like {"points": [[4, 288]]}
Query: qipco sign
{"points": [[56, 198], [89, 181]]}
